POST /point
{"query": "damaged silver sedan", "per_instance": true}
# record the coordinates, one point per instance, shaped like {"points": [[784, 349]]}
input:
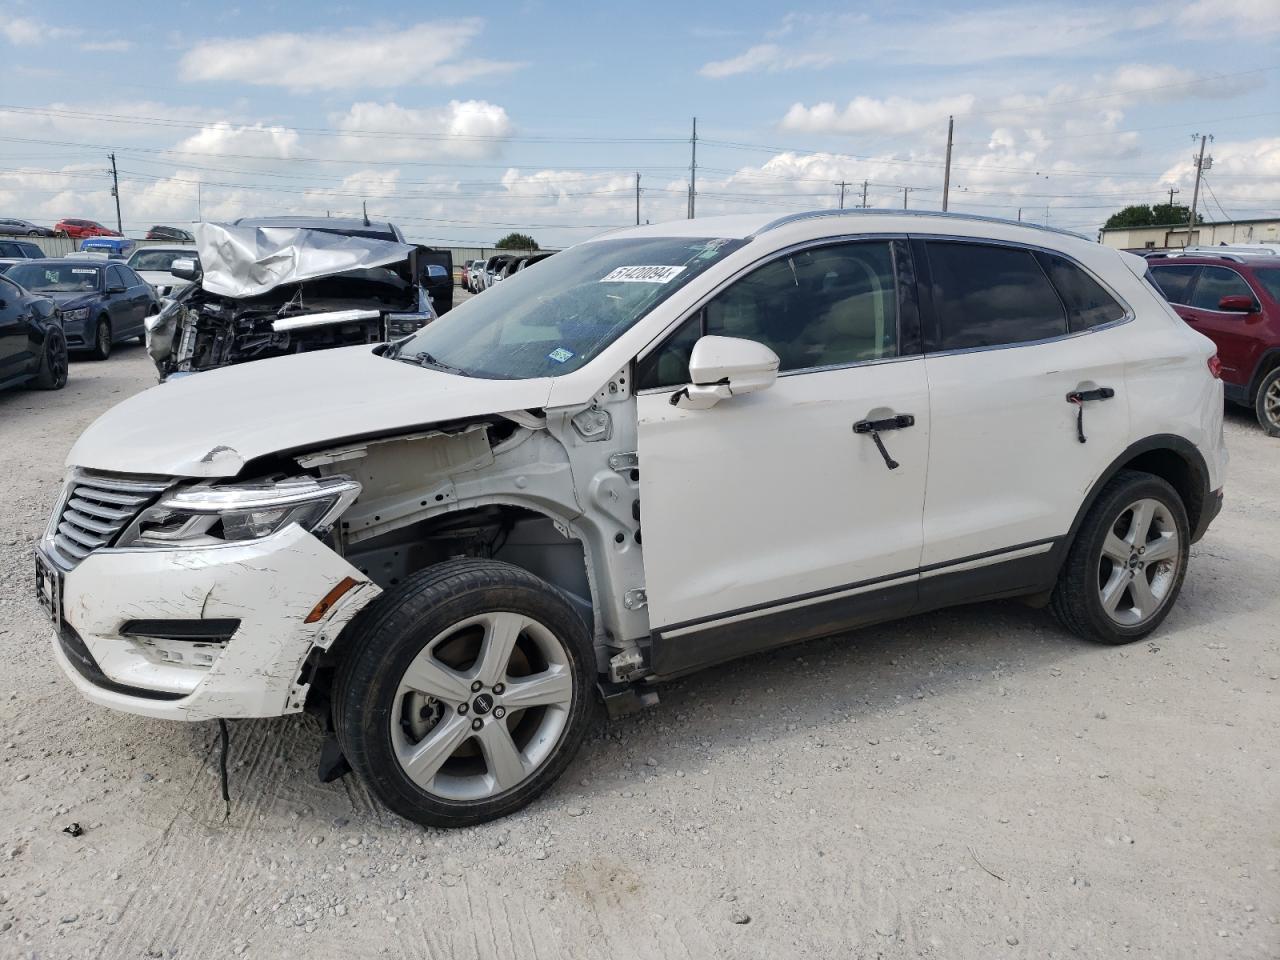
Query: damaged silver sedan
{"points": [[264, 291]]}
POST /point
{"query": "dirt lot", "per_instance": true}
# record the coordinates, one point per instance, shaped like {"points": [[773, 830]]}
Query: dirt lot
{"points": [[973, 783]]}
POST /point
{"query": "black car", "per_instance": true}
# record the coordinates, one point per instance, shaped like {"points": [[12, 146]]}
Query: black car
{"points": [[23, 228], [102, 302], [33, 347], [176, 234], [20, 250]]}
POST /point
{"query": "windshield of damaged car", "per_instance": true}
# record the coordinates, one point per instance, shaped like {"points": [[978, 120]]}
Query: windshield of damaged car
{"points": [[553, 320], [56, 277]]}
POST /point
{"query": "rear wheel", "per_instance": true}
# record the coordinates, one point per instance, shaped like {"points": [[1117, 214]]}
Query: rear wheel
{"points": [[1267, 404], [101, 340], [1125, 569], [464, 692], [53, 362]]}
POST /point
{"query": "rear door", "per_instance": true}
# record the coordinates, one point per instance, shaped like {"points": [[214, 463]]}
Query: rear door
{"points": [[767, 517], [1007, 469], [15, 317]]}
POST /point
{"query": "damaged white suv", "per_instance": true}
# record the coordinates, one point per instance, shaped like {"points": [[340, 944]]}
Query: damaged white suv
{"points": [[661, 449]]}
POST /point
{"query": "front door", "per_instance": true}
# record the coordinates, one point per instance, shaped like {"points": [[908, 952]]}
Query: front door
{"points": [[767, 518], [1010, 333], [15, 351], [1238, 336]]}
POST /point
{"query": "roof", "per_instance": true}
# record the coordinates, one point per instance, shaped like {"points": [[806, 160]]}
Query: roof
{"points": [[1247, 260], [745, 226]]}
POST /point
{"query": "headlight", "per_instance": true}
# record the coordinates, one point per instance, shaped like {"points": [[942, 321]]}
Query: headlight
{"points": [[80, 313], [238, 512]]}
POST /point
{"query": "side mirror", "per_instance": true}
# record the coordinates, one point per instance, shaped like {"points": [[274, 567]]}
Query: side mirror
{"points": [[116, 288], [185, 268], [1238, 303], [724, 367]]}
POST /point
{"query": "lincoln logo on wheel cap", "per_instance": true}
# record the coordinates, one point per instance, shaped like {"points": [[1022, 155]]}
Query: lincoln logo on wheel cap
{"points": [[482, 704]]}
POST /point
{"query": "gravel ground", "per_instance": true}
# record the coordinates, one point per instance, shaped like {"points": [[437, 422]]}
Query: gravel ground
{"points": [[972, 783]]}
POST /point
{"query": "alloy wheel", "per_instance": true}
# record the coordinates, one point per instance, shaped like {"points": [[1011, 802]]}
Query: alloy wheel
{"points": [[1271, 403], [1138, 567], [482, 706], [56, 361]]}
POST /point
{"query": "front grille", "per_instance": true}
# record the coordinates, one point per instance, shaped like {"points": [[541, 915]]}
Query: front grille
{"points": [[95, 509]]}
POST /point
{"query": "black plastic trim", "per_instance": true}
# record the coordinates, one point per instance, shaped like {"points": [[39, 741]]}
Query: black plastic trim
{"points": [[79, 656], [207, 631]]}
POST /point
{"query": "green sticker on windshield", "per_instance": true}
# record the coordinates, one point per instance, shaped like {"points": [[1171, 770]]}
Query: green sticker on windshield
{"points": [[560, 355]]}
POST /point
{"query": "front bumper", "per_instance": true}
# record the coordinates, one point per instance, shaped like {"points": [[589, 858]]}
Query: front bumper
{"points": [[269, 586], [77, 331]]}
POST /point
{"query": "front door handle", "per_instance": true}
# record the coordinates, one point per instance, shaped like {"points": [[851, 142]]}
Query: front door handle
{"points": [[873, 427]]}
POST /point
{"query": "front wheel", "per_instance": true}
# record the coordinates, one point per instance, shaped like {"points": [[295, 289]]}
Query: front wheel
{"points": [[52, 374], [464, 692], [101, 340], [1267, 405], [1125, 569]]}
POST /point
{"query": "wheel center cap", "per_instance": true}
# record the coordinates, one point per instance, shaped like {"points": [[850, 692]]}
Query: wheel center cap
{"points": [[482, 704], [1133, 560]]}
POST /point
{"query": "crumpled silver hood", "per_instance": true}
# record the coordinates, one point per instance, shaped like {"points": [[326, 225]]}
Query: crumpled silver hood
{"points": [[243, 262]]}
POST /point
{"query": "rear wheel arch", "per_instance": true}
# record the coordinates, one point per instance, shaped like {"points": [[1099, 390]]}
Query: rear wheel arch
{"points": [[1268, 362], [1173, 458]]}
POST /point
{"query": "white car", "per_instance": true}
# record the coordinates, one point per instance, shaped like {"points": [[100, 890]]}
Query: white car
{"points": [[662, 449], [152, 263]]}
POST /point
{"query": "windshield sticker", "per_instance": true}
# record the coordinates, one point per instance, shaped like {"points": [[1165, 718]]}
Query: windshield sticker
{"points": [[642, 275], [710, 249], [560, 355], [73, 270]]}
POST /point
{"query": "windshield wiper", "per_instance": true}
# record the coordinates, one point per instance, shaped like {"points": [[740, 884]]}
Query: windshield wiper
{"points": [[425, 359]]}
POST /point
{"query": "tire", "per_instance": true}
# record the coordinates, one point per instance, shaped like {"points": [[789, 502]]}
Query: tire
{"points": [[1111, 557], [1266, 405], [458, 739], [52, 374], [101, 340]]}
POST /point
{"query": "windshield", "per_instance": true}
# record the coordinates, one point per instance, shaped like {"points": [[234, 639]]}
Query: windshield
{"points": [[56, 277], [1269, 277], [159, 260], [553, 320]]}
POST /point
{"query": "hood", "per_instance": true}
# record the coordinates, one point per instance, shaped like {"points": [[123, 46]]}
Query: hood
{"points": [[68, 299], [212, 424], [241, 262]]}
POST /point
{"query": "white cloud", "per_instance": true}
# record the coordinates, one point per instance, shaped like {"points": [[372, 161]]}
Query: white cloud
{"points": [[765, 56], [869, 115], [462, 129], [378, 56], [23, 31], [256, 140], [1248, 17], [107, 46]]}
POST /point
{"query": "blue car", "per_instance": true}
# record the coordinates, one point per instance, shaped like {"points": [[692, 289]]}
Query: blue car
{"points": [[114, 247], [103, 302]]}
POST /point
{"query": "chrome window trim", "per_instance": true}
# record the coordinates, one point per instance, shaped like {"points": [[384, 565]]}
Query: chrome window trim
{"points": [[778, 254], [1129, 313]]}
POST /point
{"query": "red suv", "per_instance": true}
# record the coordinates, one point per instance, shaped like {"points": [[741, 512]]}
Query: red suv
{"points": [[1235, 302], [79, 229]]}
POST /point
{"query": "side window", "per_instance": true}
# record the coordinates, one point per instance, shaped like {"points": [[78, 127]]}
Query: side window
{"points": [[115, 275], [824, 306], [1175, 282], [1216, 283], [1088, 305], [987, 296], [8, 249]]}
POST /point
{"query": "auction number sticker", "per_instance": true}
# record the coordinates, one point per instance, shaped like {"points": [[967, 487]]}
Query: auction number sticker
{"points": [[642, 274], [74, 270]]}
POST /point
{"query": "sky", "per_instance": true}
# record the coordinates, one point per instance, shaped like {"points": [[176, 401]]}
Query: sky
{"points": [[537, 117]]}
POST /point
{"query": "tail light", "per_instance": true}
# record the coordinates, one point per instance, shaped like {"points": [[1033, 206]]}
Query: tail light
{"points": [[1215, 367]]}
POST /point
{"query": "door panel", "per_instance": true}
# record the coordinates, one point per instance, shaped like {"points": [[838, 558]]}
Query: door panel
{"points": [[14, 350], [772, 496], [1237, 335]]}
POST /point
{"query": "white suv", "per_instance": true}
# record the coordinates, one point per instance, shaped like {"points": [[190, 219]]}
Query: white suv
{"points": [[663, 448]]}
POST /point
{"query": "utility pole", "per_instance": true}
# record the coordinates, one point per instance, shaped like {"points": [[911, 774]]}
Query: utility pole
{"points": [[905, 191], [115, 192], [864, 194], [1195, 194], [1172, 191], [637, 198], [199, 200], [946, 177], [693, 167], [842, 184], [364, 208], [1019, 214]]}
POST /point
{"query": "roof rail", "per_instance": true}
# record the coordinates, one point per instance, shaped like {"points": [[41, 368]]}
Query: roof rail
{"points": [[813, 214], [1233, 257]]}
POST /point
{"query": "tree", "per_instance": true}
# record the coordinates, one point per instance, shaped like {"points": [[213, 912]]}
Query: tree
{"points": [[517, 241], [1147, 215]]}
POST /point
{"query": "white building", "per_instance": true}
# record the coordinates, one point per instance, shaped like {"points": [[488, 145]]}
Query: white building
{"points": [[1156, 238]]}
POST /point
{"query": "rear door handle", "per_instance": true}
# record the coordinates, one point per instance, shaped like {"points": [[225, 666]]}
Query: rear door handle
{"points": [[873, 427], [1080, 398]]}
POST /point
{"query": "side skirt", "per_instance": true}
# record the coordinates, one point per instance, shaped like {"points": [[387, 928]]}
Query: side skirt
{"points": [[683, 648]]}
